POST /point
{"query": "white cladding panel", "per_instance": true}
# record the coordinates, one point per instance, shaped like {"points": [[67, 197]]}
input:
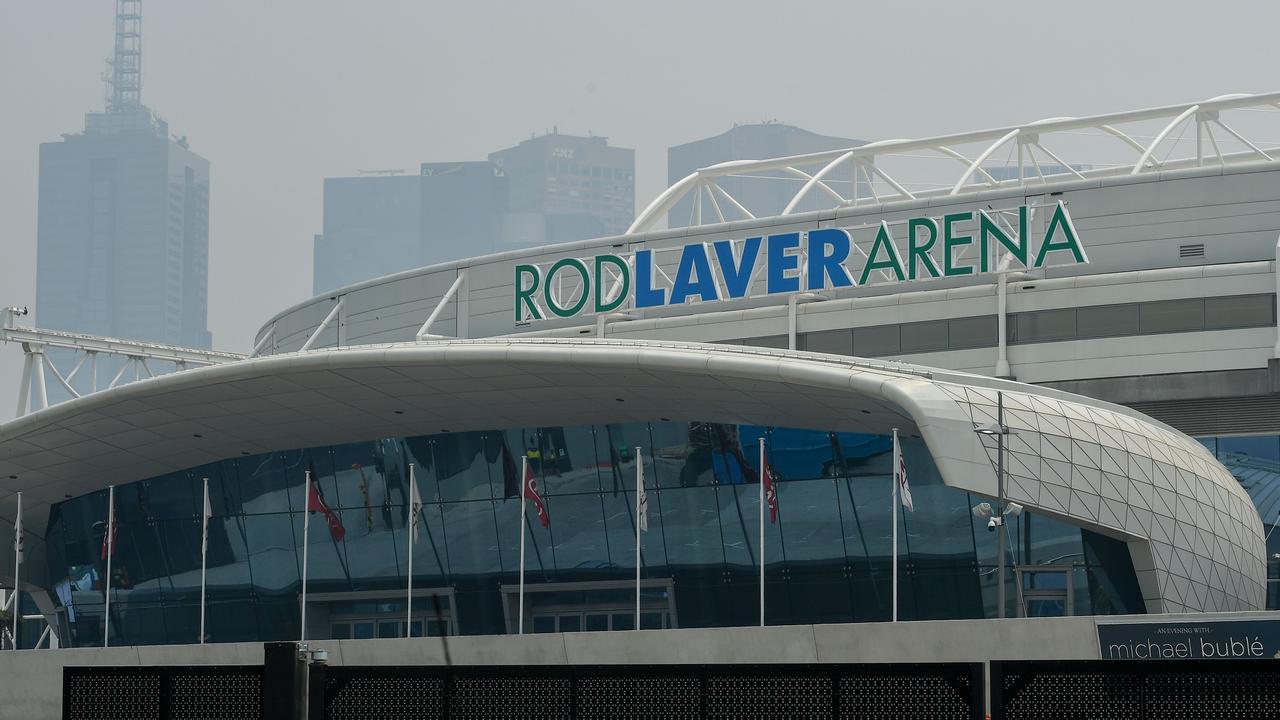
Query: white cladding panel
{"points": [[1127, 225]]}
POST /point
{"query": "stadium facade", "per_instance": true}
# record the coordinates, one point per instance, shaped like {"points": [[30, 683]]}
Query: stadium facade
{"points": [[1123, 316]]}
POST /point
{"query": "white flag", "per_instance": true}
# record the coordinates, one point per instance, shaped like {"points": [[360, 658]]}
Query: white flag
{"points": [[642, 497], [904, 488], [415, 506], [208, 513]]}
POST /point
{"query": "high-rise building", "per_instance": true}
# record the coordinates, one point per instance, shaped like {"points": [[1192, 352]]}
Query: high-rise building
{"points": [[766, 192], [377, 224], [123, 219], [549, 189], [582, 186]]}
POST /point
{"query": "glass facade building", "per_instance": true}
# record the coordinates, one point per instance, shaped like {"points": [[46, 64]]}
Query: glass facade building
{"points": [[827, 557], [1254, 460]]}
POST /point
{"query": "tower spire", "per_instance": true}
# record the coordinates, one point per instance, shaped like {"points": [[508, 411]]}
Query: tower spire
{"points": [[126, 65]]}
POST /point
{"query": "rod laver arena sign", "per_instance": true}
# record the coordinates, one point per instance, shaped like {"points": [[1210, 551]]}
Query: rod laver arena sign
{"points": [[920, 248]]}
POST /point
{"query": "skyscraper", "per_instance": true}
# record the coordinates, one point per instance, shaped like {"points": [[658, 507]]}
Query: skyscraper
{"points": [[549, 189], [377, 224], [123, 222], [582, 186], [767, 193]]}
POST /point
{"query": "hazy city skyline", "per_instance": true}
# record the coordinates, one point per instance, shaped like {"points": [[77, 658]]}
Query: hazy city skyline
{"points": [[278, 96]]}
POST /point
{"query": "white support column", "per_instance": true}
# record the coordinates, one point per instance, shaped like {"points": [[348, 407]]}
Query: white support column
{"points": [[42, 394], [24, 388], [792, 320], [1002, 325]]}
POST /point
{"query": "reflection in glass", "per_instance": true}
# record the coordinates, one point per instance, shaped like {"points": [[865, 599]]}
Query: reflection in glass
{"points": [[827, 556]]}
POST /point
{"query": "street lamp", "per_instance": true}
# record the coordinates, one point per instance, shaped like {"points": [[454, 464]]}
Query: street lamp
{"points": [[999, 430]]}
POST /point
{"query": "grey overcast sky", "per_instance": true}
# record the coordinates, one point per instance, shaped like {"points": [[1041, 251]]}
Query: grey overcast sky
{"points": [[280, 94]]}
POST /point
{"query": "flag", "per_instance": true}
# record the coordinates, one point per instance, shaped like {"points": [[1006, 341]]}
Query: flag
{"points": [[642, 497], [208, 513], [904, 488], [770, 490], [415, 505], [531, 494], [17, 530], [315, 503], [109, 537]]}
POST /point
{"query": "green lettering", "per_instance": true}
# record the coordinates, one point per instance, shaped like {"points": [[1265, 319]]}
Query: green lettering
{"points": [[883, 241], [950, 242], [574, 309], [988, 227], [623, 271], [1061, 223], [525, 295], [917, 254]]}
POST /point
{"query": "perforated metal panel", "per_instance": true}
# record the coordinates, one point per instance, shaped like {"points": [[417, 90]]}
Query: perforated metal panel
{"points": [[376, 698], [203, 696], [791, 696], [1073, 695], [1155, 690], [493, 696], [90, 694], [907, 696], [670, 697], [162, 693]]}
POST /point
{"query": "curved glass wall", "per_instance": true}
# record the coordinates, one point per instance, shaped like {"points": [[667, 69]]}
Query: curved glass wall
{"points": [[1254, 461], [827, 557]]}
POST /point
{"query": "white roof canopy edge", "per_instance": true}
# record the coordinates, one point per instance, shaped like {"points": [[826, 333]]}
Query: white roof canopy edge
{"points": [[1085, 461]]}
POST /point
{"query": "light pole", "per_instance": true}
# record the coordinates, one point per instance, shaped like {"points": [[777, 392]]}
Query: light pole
{"points": [[999, 430]]}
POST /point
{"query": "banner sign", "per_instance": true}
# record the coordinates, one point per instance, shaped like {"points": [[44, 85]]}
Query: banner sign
{"points": [[1209, 639], [919, 248]]}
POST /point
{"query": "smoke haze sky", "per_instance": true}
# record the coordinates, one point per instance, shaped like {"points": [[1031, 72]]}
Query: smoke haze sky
{"points": [[280, 94]]}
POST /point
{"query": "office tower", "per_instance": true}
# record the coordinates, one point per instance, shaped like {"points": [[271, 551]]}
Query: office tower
{"points": [[582, 186], [123, 219], [766, 193]]}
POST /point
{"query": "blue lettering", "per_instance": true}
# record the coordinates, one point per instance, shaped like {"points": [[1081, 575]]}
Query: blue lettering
{"points": [[646, 294], [823, 265], [737, 276], [693, 262], [780, 262]]}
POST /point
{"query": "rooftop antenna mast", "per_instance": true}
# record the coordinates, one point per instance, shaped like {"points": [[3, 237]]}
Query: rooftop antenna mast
{"points": [[126, 65]]}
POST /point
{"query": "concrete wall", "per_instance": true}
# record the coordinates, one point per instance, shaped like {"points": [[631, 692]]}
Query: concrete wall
{"points": [[32, 689]]}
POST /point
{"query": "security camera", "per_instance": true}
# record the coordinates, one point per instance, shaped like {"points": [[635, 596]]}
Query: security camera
{"points": [[994, 523]]}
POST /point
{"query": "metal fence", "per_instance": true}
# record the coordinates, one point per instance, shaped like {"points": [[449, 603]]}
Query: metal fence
{"points": [[226, 692], [1135, 690]]}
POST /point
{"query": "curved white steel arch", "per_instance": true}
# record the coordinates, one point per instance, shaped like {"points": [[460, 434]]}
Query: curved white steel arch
{"points": [[864, 157]]}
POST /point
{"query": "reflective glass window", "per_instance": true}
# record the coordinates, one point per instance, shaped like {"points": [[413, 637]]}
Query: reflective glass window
{"points": [[836, 342], [1239, 311], [924, 336], [1171, 316], [1107, 321], [1044, 325], [876, 340], [973, 332]]}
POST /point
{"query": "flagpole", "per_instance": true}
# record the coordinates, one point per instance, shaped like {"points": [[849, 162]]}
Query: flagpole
{"points": [[17, 565], [894, 511], [524, 482], [306, 532], [413, 518], [639, 489], [111, 550], [204, 554], [762, 504]]}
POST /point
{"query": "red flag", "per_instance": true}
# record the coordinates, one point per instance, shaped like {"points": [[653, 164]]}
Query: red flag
{"points": [[770, 491], [109, 537], [315, 503], [531, 493]]}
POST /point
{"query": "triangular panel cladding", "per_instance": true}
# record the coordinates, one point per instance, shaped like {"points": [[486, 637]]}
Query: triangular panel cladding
{"points": [[1055, 498]]}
